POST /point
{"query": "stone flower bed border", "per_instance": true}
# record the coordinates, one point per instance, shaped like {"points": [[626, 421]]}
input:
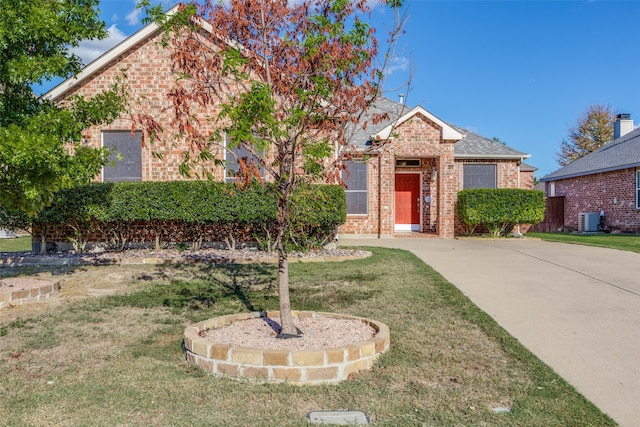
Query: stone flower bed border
{"points": [[319, 366], [36, 291]]}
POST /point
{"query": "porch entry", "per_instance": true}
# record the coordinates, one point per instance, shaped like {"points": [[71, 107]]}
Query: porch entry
{"points": [[407, 192]]}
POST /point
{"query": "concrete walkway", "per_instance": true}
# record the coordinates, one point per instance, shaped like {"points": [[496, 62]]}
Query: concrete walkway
{"points": [[576, 307]]}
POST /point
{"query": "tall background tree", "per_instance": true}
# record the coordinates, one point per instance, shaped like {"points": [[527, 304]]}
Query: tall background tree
{"points": [[41, 146], [287, 82], [592, 130]]}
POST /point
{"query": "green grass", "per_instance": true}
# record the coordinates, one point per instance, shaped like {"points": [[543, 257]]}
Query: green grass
{"points": [[117, 359], [624, 242], [19, 244]]}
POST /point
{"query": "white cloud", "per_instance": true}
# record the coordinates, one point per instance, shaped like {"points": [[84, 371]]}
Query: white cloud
{"points": [[399, 63], [133, 18], [88, 50]]}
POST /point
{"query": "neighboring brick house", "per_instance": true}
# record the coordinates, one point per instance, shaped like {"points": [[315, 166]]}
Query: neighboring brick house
{"points": [[605, 181], [408, 184]]}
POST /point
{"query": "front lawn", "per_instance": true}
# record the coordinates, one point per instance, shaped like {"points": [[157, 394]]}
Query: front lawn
{"points": [[19, 244], [107, 351], [624, 242]]}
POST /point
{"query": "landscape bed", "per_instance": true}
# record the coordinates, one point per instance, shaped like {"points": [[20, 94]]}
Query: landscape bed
{"points": [[20, 290], [257, 354]]}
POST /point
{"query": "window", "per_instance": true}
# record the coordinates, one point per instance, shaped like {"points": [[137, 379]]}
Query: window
{"points": [[125, 156], [551, 189], [479, 175], [407, 163], [355, 179], [637, 189], [232, 156]]}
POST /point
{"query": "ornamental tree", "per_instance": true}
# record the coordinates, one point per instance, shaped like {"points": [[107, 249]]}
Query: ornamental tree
{"points": [[592, 130], [41, 148], [288, 82]]}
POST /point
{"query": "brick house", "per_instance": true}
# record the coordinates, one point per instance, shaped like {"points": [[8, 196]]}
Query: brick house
{"points": [[408, 185], [605, 181], [411, 183]]}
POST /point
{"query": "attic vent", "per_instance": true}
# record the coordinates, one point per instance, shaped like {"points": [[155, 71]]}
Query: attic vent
{"points": [[588, 221], [408, 163]]}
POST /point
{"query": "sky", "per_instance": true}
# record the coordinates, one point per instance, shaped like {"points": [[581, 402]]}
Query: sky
{"points": [[520, 71]]}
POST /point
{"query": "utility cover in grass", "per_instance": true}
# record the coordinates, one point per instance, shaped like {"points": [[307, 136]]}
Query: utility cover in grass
{"points": [[340, 418]]}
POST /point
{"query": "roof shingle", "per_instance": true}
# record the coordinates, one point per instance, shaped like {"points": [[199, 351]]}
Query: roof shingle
{"points": [[471, 146], [478, 147], [621, 153]]}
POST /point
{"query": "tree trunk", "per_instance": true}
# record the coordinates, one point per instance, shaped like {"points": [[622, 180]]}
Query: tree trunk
{"points": [[157, 242], [43, 242], [288, 328]]}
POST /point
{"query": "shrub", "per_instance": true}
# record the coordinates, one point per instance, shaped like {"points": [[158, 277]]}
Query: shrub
{"points": [[500, 209], [80, 208], [184, 210], [317, 211]]}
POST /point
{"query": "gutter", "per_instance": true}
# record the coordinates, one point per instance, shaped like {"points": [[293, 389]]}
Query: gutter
{"points": [[591, 172], [520, 157]]}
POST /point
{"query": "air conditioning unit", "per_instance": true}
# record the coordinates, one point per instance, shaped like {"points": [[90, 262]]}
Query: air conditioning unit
{"points": [[588, 221]]}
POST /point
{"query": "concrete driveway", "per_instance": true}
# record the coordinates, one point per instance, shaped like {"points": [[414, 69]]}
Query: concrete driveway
{"points": [[576, 307]]}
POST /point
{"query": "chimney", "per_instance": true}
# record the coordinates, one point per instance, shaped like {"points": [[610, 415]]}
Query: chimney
{"points": [[401, 96], [622, 125]]}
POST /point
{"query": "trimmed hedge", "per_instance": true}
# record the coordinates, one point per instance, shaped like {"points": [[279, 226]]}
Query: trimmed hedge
{"points": [[182, 210], [500, 209]]}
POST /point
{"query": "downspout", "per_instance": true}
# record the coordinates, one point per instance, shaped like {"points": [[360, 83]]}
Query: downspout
{"points": [[379, 195]]}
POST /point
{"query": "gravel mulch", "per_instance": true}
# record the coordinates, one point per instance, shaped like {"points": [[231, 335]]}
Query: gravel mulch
{"points": [[148, 256], [317, 332]]}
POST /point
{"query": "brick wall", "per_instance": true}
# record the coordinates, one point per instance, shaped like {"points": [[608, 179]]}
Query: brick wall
{"points": [[611, 192], [441, 178], [508, 173], [148, 68], [149, 73], [417, 138], [367, 224], [527, 180]]}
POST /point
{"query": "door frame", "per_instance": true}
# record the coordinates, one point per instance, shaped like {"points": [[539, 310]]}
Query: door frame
{"points": [[420, 204]]}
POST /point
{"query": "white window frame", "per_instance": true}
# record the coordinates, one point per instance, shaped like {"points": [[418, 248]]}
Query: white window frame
{"points": [[365, 191]]}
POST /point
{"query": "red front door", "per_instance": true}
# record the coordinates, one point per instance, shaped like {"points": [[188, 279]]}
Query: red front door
{"points": [[407, 202]]}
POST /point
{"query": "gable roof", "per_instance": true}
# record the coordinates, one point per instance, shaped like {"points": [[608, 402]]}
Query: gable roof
{"points": [[449, 133], [362, 138], [468, 145], [621, 153], [103, 60], [397, 114]]}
